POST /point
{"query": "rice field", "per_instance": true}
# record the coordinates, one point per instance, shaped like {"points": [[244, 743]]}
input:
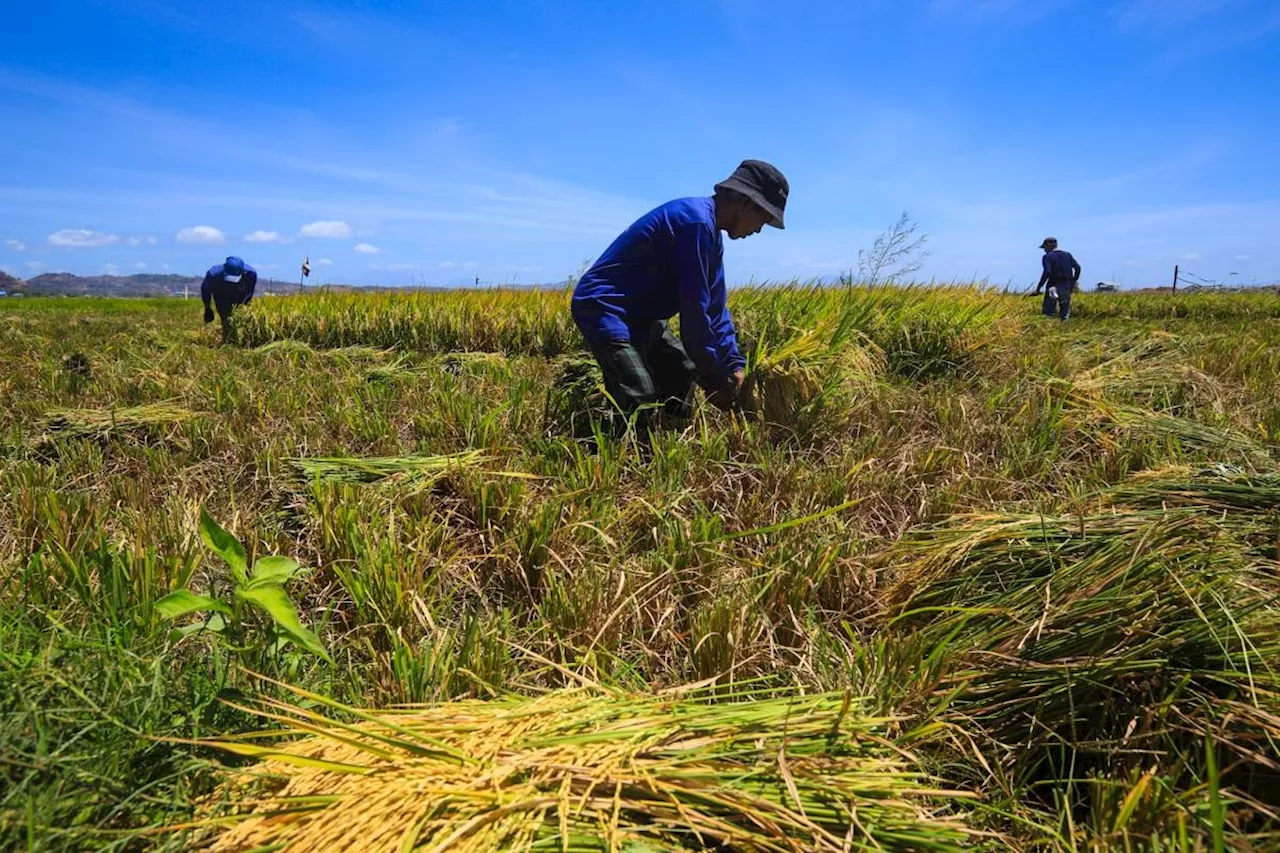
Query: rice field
{"points": [[370, 575]]}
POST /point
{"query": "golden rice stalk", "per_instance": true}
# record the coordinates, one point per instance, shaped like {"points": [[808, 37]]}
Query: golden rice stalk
{"points": [[785, 379], [587, 770]]}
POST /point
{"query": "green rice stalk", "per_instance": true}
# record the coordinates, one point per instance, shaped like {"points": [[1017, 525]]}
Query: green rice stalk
{"points": [[104, 422], [418, 471]]}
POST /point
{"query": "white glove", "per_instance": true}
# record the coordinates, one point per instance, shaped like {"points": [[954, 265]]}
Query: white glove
{"points": [[1053, 293]]}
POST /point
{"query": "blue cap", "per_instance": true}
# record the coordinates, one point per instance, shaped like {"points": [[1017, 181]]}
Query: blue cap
{"points": [[232, 269]]}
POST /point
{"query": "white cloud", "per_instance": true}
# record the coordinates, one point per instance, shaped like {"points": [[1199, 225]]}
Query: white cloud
{"points": [[34, 265], [324, 262], [111, 269], [79, 238], [16, 245], [263, 237], [401, 267], [201, 235], [141, 265], [366, 249], [447, 265], [141, 241], [326, 228], [1242, 257], [469, 264], [1191, 256]]}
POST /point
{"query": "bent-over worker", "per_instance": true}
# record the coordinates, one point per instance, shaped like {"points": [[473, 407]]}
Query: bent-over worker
{"points": [[669, 262], [227, 284]]}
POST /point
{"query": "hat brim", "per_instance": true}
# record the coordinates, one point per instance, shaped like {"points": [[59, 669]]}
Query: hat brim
{"points": [[233, 279], [775, 213]]}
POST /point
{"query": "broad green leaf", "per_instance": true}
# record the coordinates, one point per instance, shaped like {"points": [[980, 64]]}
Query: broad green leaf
{"points": [[225, 546], [274, 570], [275, 601], [215, 623], [184, 601]]}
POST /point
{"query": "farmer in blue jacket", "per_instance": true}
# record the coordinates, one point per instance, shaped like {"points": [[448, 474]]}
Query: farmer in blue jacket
{"points": [[670, 261], [1062, 274], [228, 284]]}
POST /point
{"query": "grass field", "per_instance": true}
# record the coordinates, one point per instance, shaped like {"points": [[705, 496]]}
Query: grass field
{"points": [[967, 579]]}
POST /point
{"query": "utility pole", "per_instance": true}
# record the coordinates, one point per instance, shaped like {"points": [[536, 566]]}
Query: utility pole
{"points": [[1175, 278]]}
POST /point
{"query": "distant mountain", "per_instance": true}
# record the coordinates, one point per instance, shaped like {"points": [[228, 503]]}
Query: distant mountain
{"points": [[151, 285], [146, 284]]}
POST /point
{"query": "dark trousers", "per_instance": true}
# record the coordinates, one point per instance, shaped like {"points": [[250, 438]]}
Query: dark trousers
{"points": [[1060, 307], [642, 372], [225, 300]]}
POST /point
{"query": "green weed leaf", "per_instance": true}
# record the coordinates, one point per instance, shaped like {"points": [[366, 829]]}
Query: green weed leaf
{"points": [[184, 601], [225, 546], [272, 598], [277, 570], [216, 624]]}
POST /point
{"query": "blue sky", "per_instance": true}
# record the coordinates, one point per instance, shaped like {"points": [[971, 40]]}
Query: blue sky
{"points": [[438, 142]]}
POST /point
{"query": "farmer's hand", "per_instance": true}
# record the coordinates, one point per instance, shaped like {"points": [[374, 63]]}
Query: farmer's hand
{"points": [[208, 314], [726, 396]]}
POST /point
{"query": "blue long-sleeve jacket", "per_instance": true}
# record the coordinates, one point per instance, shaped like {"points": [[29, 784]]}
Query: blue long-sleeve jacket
{"points": [[670, 261], [239, 291], [1060, 268]]}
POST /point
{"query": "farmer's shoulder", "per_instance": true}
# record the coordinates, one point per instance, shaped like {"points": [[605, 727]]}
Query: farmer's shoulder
{"points": [[685, 212], [665, 221]]}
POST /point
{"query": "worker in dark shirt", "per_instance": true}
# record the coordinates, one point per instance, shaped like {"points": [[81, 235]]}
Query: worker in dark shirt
{"points": [[669, 262], [1062, 275], [227, 284]]}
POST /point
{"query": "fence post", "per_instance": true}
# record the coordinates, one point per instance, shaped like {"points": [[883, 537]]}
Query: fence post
{"points": [[1175, 278]]}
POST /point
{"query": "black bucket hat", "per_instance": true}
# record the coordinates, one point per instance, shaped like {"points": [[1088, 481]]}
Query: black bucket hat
{"points": [[763, 184]]}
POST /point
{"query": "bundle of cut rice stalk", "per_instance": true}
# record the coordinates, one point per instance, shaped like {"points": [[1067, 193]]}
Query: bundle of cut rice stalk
{"points": [[1145, 391], [1221, 488], [466, 361], [784, 379], [588, 770], [1113, 423], [417, 471], [1103, 637], [577, 398], [287, 346], [103, 422]]}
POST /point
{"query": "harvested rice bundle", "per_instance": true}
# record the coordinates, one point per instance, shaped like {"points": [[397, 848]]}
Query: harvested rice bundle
{"points": [[409, 470], [577, 397], [287, 346], [459, 363], [1223, 488], [589, 770], [1102, 642], [1146, 392], [783, 380], [104, 422]]}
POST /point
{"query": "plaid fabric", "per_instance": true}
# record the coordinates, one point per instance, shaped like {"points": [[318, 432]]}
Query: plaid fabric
{"points": [[641, 373]]}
